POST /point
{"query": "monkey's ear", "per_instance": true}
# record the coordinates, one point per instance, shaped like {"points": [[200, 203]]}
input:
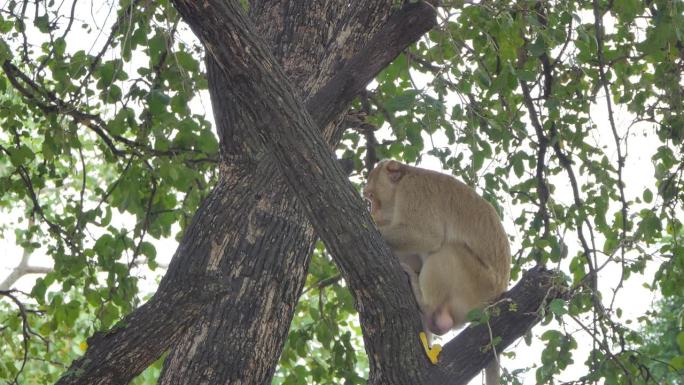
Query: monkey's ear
{"points": [[395, 170]]}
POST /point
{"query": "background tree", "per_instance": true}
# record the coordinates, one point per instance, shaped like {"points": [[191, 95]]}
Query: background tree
{"points": [[549, 109]]}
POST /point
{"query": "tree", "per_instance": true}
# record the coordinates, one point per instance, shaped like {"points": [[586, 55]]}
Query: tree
{"points": [[664, 341], [663, 338], [527, 75]]}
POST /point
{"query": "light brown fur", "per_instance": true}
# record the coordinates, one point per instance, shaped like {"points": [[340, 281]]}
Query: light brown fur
{"points": [[449, 239]]}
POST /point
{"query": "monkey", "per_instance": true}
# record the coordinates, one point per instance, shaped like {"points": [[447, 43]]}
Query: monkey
{"points": [[448, 239]]}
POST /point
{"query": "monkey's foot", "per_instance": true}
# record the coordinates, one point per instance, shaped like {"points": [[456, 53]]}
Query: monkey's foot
{"points": [[431, 352]]}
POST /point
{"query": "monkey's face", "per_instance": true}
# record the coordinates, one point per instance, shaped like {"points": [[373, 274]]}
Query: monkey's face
{"points": [[372, 202], [379, 193]]}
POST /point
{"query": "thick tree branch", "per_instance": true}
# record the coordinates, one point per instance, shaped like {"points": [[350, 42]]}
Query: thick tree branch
{"points": [[123, 352], [514, 314], [402, 29], [290, 27]]}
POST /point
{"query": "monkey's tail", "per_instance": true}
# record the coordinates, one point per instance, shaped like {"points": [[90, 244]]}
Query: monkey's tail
{"points": [[492, 373]]}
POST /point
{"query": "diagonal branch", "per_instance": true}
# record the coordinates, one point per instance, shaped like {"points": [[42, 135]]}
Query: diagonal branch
{"points": [[23, 268], [401, 30], [516, 312]]}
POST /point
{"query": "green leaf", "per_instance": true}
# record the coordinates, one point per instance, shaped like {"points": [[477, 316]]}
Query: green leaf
{"points": [[626, 9], [477, 315], [527, 76], [478, 160], [92, 296], [5, 25], [677, 362], [42, 23], [38, 291], [186, 61], [5, 51], [21, 156], [109, 314], [147, 249], [483, 78], [518, 166], [157, 45], [59, 46], [538, 47], [157, 102], [650, 225], [401, 102], [557, 307], [71, 312], [113, 94], [179, 104], [106, 74], [648, 196]]}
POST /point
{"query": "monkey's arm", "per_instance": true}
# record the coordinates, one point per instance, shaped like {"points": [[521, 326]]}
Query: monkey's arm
{"points": [[413, 280], [410, 239], [431, 351]]}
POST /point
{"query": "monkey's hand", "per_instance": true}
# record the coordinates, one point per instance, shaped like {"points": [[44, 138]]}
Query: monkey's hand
{"points": [[431, 352]]}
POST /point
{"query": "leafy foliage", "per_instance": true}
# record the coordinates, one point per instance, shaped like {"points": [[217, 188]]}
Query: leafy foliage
{"points": [[101, 155], [324, 343], [549, 109], [567, 116], [663, 347]]}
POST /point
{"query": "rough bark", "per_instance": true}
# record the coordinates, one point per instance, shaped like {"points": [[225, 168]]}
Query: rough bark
{"points": [[230, 290], [255, 339], [118, 355], [263, 95]]}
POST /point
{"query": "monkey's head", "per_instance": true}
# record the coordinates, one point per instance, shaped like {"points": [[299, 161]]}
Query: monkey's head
{"points": [[381, 188]]}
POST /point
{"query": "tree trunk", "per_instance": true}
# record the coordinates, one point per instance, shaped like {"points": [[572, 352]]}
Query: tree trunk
{"points": [[252, 323], [228, 297]]}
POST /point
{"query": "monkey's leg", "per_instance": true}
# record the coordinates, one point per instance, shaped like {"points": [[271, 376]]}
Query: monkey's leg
{"points": [[415, 285], [492, 373], [425, 338]]}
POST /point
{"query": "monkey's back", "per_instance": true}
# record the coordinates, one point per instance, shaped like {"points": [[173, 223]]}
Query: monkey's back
{"points": [[468, 221]]}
